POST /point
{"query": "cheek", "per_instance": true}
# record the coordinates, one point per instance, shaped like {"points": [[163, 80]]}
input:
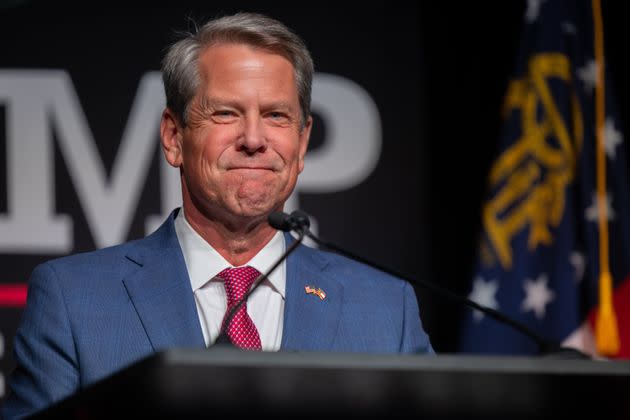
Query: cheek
{"points": [[204, 153], [218, 147], [289, 149]]}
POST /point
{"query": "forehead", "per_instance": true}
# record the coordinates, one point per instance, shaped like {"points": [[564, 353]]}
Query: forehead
{"points": [[226, 61]]}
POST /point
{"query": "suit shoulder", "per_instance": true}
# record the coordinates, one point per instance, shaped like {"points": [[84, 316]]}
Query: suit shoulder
{"points": [[98, 256], [164, 238], [96, 266]]}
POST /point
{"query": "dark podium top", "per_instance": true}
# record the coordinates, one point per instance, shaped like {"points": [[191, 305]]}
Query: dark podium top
{"points": [[187, 384]]}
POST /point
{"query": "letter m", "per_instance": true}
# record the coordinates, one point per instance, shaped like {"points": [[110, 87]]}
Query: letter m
{"points": [[35, 102]]}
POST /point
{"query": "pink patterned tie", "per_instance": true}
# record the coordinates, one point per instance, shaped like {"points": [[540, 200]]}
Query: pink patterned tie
{"points": [[241, 331]]}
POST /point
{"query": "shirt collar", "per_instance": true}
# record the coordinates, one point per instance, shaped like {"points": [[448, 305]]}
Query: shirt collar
{"points": [[204, 262]]}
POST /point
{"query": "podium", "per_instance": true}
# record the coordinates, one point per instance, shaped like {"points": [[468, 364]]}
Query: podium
{"points": [[220, 382]]}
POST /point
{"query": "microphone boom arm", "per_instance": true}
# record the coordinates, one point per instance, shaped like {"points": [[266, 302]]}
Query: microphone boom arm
{"points": [[546, 346]]}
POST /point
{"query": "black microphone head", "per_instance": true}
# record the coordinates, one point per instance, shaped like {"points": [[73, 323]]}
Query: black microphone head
{"points": [[301, 218], [279, 220]]}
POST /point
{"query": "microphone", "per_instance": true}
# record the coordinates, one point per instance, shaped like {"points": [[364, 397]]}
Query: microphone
{"points": [[280, 221], [548, 348], [298, 221]]}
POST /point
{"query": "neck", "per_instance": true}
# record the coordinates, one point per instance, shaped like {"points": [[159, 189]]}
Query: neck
{"points": [[238, 241]]}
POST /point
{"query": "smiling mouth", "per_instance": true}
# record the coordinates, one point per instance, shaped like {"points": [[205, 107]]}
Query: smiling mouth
{"points": [[250, 168]]}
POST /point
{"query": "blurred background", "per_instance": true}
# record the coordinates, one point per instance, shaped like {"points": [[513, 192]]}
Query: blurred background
{"points": [[407, 108]]}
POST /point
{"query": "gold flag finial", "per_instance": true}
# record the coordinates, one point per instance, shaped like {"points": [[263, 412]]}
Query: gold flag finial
{"points": [[606, 331]]}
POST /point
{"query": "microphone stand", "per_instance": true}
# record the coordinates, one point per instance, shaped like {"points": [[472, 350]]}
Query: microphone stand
{"points": [[547, 348]]}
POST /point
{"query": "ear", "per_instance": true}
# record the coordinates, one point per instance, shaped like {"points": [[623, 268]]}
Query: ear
{"points": [[171, 135], [305, 135]]}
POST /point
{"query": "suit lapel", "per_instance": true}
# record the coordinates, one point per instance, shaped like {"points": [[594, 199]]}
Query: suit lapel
{"points": [[161, 293], [310, 323]]}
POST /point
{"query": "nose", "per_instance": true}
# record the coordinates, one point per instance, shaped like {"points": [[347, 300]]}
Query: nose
{"points": [[252, 139]]}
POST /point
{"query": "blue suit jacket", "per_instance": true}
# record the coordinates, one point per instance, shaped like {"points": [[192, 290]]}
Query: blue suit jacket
{"points": [[89, 315]]}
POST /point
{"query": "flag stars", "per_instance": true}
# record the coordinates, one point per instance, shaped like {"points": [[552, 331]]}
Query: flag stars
{"points": [[578, 262], [588, 75], [612, 138], [484, 293], [592, 212], [533, 10], [537, 296], [569, 28]]}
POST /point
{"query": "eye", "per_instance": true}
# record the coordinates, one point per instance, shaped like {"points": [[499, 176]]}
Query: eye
{"points": [[278, 117], [223, 115]]}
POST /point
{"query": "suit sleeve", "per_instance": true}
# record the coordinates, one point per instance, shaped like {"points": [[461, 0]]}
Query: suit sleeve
{"points": [[414, 337], [46, 363]]}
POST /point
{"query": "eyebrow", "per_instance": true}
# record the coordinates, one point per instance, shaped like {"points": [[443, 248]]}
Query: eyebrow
{"points": [[278, 105], [207, 103], [211, 103]]}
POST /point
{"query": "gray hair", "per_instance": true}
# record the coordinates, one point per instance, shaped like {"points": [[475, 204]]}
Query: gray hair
{"points": [[180, 71]]}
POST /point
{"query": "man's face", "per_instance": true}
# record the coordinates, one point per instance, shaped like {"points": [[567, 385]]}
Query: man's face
{"points": [[243, 146]]}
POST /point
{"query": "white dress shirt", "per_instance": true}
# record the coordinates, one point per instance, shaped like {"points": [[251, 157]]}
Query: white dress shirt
{"points": [[265, 305]]}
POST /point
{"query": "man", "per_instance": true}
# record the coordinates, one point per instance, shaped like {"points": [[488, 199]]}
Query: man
{"points": [[237, 126]]}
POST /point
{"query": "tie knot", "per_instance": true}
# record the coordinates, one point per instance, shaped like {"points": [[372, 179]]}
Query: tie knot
{"points": [[238, 281]]}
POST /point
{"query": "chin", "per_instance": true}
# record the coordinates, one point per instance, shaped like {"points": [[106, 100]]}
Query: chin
{"points": [[252, 203], [253, 210]]}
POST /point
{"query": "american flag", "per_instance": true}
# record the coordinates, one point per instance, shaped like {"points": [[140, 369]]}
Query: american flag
{"points": [[539, 254]]}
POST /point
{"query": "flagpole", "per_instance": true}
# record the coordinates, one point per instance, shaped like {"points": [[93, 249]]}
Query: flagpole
{"points": [[606, 333]]}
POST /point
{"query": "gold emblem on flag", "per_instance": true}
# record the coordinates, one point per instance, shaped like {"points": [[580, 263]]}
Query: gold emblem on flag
{"points": [[530, 177]]}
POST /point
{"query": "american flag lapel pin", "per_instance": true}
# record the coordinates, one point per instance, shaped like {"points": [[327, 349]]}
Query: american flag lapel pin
{"points": [[310, 290]]}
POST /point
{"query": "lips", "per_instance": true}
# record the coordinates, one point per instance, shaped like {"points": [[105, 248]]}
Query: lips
{"points": [[249, 168], [254, 166]]}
